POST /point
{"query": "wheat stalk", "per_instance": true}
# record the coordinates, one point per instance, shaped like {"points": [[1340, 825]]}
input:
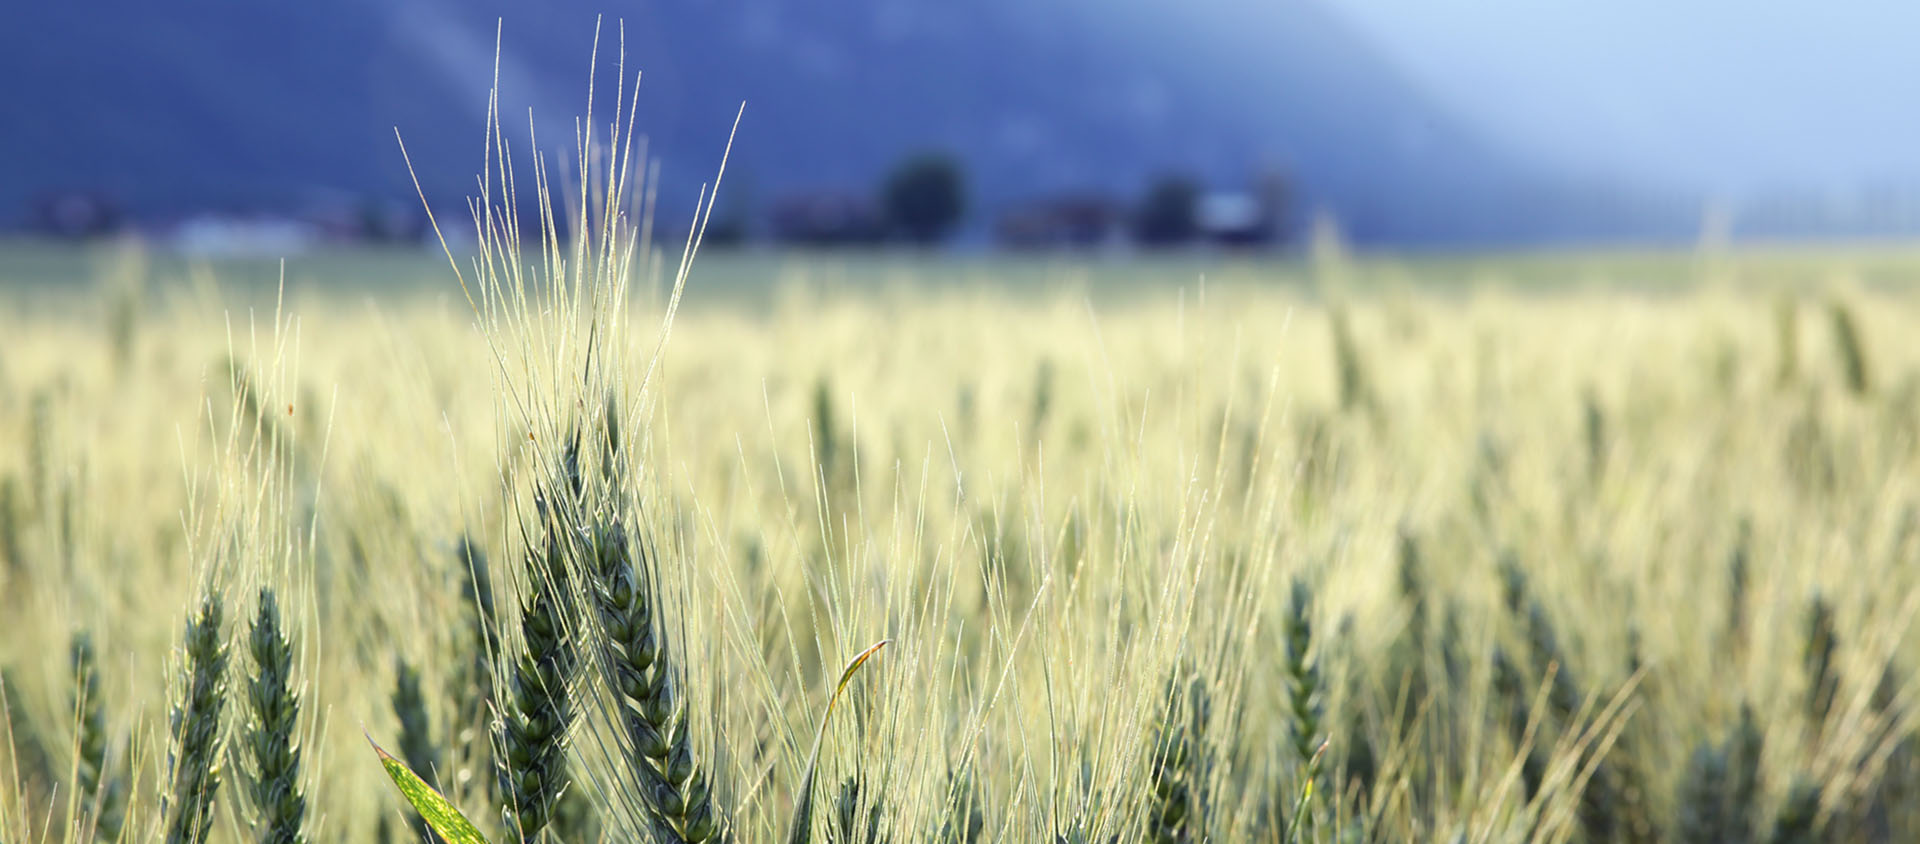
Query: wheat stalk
{"points": [[638, 665], [272, 740], [1519, 718], [473, 682], [1304, 700], [1610, 797], [1744, 749], [103, 795], [963, 822], [416, 729], [1851, 348], [1786, 322], [33, 764], [1798, 819], [1737, 575], [193, 755], [10, 548], [1817, 656], [532, 732], [1356, 389], [849, 819], [1703, 800], [1174, 767]]}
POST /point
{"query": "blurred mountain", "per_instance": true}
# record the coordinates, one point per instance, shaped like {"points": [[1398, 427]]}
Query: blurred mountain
{"points": [[177, 107]]}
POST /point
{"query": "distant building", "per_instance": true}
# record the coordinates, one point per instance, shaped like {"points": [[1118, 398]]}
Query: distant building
{"points": [[1252, 217], [1231, 216], [365, 220], [251, 235], [1063, 222], [827, 219]]}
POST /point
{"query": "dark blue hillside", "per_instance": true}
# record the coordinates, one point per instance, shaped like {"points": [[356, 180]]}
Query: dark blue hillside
{"points": [[178, 107]]}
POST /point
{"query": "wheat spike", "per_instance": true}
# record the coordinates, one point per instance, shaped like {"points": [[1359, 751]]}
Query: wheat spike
{"points": [[194, 751], [273, 743]]}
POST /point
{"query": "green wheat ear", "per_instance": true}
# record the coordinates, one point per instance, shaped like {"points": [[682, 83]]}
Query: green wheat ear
{"points": [[102, 793], [801, 830], [196, 746], [434, 808], [416, 739], [272, 740], [1851, 348]]}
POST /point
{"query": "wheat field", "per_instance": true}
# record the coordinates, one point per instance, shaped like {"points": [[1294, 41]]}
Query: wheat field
{"points": [[1551, 549], [1339, 550]]}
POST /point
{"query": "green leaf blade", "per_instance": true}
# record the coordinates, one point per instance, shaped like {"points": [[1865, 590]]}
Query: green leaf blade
{"points": [[436, 809], [799, 830]]}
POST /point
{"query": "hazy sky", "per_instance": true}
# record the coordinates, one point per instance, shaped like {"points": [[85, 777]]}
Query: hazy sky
{"points": [[1726, 95]]}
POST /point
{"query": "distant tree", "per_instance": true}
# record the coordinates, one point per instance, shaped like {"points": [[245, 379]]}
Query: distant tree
{"points": [[74, 214], [1274, 190], [379, 220], [1169, 213], [924, 197], [732, 224], [727, 229]]}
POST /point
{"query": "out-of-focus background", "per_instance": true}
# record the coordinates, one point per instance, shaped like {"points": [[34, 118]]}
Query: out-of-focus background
{"points": [[1000, 124], [1368, 421]]}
